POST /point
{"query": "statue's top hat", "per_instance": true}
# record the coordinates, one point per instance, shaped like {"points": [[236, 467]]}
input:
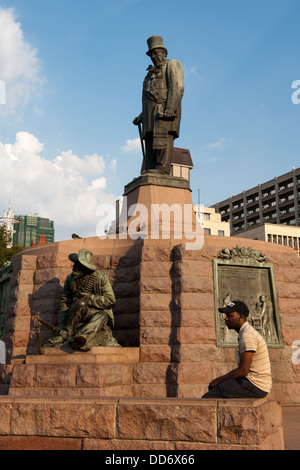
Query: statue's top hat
{"points": [[85, 258], [155, 42]]}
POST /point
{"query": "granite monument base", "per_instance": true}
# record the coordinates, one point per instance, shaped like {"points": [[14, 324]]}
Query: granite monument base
{"points": [[117, 424], [165, 323]]}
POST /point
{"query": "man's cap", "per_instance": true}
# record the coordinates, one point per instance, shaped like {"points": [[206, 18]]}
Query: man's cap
{"points": [[155, 42], [235, 306]]}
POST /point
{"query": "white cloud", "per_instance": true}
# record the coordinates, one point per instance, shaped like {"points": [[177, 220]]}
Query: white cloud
{"points": [[217, 145], [71, 165], [99, 183], [132, 145], [113, 165], [67, 190], [19, 63], [190, 70]]}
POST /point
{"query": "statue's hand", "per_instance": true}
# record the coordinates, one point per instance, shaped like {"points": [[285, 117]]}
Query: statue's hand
{"points": [[169, 114], [82, 295], [137, 120]]}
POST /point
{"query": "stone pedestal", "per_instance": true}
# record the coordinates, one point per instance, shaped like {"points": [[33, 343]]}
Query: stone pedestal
{"points": [[164, 208], [57, 372]]}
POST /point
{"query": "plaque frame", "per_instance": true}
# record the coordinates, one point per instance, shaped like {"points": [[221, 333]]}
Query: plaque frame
{"points": [[263, 305]]}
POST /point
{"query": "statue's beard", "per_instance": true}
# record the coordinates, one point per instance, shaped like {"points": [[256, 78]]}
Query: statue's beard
{"points": [[80, 271], [77, 274]]}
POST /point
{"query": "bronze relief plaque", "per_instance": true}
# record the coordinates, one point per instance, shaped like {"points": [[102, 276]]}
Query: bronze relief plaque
{"points": [[250, 279]]}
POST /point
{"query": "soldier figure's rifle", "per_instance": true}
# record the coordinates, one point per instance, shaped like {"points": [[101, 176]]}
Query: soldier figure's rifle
{"points": [[38, 330]]}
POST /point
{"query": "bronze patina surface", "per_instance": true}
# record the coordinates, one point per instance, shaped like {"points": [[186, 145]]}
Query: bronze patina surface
{"points": [[245, 275], [159, 121]]}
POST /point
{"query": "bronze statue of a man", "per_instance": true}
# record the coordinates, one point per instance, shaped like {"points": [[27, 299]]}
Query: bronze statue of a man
{"points": [[163, 90], [85, 314]]}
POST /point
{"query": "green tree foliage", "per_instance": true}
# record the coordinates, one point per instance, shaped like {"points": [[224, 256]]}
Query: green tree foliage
{"points": [[7, 253]]}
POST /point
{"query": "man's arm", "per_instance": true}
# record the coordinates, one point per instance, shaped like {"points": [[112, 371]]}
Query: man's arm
{"points": [[65, 303], [104, 297], [241, 371], [175, 82]]}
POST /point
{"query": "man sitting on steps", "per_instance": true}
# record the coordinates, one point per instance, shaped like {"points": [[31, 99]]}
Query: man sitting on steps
{"points": [[252, 377]]}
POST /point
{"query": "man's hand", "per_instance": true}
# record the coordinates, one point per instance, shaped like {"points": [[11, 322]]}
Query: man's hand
{"points": [[169, 114], [213, 384], [241, 371]]}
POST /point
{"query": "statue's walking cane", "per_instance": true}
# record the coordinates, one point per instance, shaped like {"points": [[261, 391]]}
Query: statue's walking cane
{"points": [[143, 148]]}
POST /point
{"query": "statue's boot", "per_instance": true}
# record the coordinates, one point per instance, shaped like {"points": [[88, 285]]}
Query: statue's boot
{"points": [[56, 340], [79, 341], [60, 339]]}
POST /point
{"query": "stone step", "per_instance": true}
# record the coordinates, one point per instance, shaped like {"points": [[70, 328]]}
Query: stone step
{"points": [[113, 391], [70, 378], [97, 355], [106, 423]]}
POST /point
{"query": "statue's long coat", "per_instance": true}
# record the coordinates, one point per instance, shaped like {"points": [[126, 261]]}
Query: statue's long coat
{"points": [[163, 89]]}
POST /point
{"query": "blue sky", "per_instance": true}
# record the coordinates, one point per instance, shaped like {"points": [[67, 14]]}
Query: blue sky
{"points": [[74, 70]]}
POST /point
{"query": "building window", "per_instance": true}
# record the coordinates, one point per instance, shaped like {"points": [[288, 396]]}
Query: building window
{"points": [[221, 233], [207, 230]]}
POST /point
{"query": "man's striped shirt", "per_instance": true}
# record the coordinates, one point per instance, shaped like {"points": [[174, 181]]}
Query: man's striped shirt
{"points": [[260, 369]]}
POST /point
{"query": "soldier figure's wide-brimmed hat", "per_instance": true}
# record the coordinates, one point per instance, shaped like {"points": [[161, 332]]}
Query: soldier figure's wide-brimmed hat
{"points": [[155, 42], [84, 257]]}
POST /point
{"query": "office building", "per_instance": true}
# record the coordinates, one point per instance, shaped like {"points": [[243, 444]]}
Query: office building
{"points": [[30, 228], [275, 202]]}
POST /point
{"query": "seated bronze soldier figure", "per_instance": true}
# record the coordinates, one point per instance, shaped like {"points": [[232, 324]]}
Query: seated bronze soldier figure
{"points": [[85, 315]]}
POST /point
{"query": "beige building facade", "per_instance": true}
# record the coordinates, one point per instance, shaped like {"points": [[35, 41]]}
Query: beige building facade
{"points": [[280, 234], [212, 222]]}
